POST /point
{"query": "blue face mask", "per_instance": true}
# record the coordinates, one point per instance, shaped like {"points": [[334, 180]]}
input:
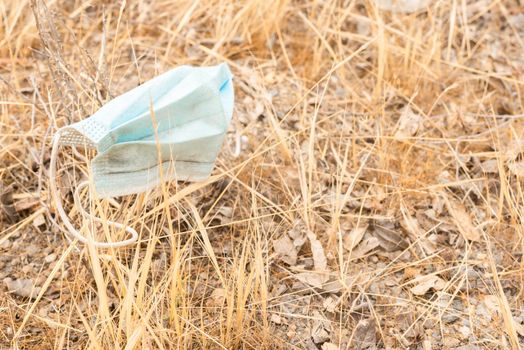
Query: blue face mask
{"points": [[168, 128]]}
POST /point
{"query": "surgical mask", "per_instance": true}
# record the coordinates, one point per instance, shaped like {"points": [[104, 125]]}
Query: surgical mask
{"points": [[169, 128]]}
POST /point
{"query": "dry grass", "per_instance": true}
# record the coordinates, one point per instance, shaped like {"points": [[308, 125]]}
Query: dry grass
{"points": [[378, 200]]}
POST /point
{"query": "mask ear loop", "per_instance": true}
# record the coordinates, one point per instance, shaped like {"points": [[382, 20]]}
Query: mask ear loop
{"points": [[67, 222], [238, 145]]}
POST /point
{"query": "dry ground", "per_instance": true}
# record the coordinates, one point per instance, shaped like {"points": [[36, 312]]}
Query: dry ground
{"points": [[377, 201]]}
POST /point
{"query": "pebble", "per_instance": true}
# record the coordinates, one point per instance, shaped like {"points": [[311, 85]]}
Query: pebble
{"points": [[27, 269], [50, 258], [5, 244], [329, 346], [276, 319], [465, 331]]}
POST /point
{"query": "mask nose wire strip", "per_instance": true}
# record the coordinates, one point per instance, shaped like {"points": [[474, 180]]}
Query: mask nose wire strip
{"points": [[67, 222]]}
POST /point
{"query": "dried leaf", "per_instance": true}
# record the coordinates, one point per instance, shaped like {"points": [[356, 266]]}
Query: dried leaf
{"points": [[365, 335], [319, 276], [411, 225], [329, 304], [224, 214], [490, 166], [217, 297], [365, 247], [297, 234], [319, 335], [286, 250], [389, 239], [336, 285], [319, 258], [329, 346], [517, 168], [353, 238], [512, 149], [409, 124], [26, 203], [6, 203], [319, 331], [312, 279], [22, 287], [518, 327], [462, 220], [425, 283]]}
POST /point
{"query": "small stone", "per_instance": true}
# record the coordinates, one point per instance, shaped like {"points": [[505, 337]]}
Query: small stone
{"points": [[5, 244], [329, 346], [465, 331], [32, 249], [320, 335], [365, 334], [50, 258], [451, 308], [39, 221], [450, 342], [276, 319], [482, 312]]}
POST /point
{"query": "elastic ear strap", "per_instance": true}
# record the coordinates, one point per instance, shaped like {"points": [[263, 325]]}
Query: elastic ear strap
{"points": [[58, 203], [238, 145]]}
